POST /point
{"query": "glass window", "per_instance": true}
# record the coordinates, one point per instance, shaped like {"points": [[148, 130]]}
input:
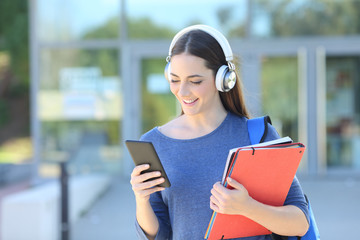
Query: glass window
{"points": [[279, 84], [168, 17], [80, 109], [159, 105], [67, 20], [343, 111], [304, 17]]}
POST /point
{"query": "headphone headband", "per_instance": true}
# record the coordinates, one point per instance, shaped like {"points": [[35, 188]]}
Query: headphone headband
{"points": [[213, 32]]}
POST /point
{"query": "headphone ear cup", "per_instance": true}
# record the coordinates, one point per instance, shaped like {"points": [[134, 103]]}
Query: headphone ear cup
{"points": [[230, 80], [167, 71], [225, 79], [219, 79]]}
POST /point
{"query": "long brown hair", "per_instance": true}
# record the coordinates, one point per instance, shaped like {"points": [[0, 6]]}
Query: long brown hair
{"points": [[203, 45]]}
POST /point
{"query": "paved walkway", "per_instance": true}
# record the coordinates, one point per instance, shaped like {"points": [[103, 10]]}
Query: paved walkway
{"points": [[5, 191], [112, 217], [336, 203]]}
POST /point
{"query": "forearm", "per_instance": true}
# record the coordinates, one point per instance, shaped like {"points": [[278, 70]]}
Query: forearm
{"points": [[147, 219], [284, 220]]}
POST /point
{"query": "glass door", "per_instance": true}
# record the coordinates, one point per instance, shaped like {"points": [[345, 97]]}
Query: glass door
{"points": [[80, 110], [280, 90], [343, 112], [79, 96], [279, 81]]}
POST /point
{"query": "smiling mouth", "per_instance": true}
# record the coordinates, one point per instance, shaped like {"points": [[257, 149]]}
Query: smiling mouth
{"points": [[190, 101]]}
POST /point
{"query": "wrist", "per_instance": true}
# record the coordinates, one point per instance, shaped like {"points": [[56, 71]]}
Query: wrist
{"points": [[251, 206], [142, 201]]}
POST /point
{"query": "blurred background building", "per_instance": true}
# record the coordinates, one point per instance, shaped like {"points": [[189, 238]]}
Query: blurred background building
{"points": [[77, 78]]}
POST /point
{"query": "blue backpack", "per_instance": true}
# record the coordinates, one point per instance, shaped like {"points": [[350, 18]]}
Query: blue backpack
{"points": [[257, 128]]}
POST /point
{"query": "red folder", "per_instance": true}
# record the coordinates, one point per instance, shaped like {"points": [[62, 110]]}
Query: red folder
{"points": [[267, 173]]}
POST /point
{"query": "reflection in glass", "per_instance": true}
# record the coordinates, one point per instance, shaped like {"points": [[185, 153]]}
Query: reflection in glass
{"points": [[168, 17], [305, 17], [158, 103], [66, 20], [80, 107], [343, 111], [279, 83]]}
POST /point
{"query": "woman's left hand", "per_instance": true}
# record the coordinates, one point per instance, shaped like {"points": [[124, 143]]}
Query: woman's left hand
{"points": [[230, 201]]}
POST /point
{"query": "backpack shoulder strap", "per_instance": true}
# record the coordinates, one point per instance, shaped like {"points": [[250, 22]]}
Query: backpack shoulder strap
{"points": [[257, 128]]}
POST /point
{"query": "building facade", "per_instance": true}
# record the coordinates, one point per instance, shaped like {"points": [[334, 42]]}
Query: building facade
{"points": [[97, 77]]}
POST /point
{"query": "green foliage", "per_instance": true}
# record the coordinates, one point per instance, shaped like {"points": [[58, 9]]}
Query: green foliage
{"points": [[14, 75], [224, 15], [239, 31], [137, 28], [280, 92], [14, 35], [113, 132], [16, 151], [157, 109], [145, 28], [109, 30], [4, 112], [312, 17]]}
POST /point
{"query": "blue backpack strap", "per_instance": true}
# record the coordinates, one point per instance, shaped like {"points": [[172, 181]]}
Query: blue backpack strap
{"points": [[257, 128]]}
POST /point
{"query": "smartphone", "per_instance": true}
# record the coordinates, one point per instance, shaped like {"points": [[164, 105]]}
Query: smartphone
{"points": [[143, 152]]}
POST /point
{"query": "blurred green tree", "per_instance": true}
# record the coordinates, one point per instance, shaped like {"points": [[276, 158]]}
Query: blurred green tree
{"points": [[311, 17], [138, 28], [158, 108], [14, 38], [14, 70], [281, 72]]}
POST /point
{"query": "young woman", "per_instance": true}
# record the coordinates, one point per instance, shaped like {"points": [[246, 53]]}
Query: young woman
{"points": [[194, 146]]}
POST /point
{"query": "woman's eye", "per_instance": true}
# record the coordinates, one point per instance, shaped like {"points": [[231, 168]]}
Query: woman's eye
{"points": [[196, 82], [174, 81]]}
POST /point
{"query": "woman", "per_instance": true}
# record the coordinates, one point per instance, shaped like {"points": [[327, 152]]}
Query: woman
{"points": [[194, 146]]}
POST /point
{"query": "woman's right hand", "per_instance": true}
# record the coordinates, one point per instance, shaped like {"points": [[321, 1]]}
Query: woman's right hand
{"points": [[142, 189]]}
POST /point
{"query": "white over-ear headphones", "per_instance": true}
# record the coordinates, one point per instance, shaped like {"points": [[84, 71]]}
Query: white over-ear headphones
{"points": [[225, 78]]}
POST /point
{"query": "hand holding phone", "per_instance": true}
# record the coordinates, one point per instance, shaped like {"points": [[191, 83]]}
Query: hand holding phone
{"points": [[143, 152]]}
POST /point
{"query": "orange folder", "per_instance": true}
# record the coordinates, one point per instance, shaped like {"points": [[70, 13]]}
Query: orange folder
{"points": [[267, 173]]}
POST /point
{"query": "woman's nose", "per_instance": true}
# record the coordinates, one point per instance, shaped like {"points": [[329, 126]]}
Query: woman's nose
{"points": [[183, 90]]}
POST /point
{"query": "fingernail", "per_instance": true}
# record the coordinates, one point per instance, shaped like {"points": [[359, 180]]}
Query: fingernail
{"points": [[229, 179]]}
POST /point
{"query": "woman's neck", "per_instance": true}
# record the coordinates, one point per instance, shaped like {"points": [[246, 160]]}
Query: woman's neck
{"points": [[205, 122], [193, 126]]}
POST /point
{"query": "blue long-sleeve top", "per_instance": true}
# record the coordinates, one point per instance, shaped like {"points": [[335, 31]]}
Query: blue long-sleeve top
{"points": [[193, 166]]}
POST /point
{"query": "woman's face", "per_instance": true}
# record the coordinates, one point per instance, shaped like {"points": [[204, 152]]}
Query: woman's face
{"points": [[193, 84]]}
